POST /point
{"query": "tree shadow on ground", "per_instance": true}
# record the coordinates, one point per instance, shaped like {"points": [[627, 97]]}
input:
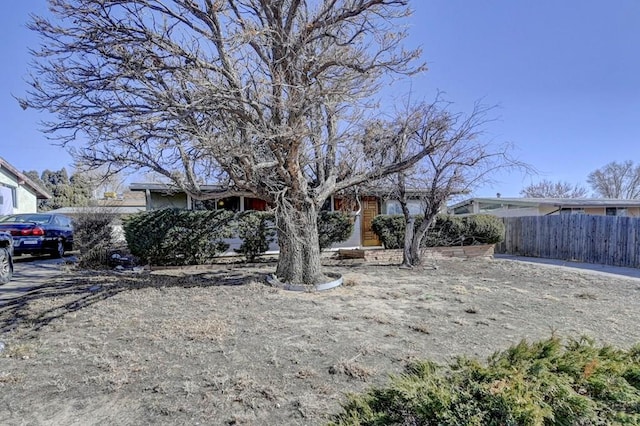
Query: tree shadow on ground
{"points": [[65, 295]]}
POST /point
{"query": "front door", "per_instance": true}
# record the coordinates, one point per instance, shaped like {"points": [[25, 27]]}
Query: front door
{"points": [[370, 209]]}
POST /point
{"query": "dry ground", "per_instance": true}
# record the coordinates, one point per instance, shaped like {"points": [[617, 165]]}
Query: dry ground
{"points": [[218, 346]]}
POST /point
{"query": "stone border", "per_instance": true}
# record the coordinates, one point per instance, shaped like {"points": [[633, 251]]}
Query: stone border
{"points": [[273, 281]]}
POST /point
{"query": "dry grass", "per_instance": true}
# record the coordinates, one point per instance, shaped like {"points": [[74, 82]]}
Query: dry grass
{"points": [[218, 346]]}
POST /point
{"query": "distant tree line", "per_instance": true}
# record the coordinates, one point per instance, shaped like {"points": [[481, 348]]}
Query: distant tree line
{"points": [[614, 180], [66, 191]]}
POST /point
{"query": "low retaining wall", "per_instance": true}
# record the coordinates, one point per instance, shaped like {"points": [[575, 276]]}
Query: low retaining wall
{"points": [[375, 256], [394, 256]]}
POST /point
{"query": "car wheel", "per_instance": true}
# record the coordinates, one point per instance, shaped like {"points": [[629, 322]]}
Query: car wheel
{"points": [[59, 250], [6, 267]]}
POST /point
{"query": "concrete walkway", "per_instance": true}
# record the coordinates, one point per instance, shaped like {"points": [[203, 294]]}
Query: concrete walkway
{"points": [[586, 267]]}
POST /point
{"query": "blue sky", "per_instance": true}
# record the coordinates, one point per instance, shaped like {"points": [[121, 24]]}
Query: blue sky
{"points": [[564, 75]]}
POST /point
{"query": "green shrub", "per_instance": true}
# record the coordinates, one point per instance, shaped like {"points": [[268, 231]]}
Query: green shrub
{"points": [[483, 229], [544, 383], [183, 237], [93, 237], [390, 229], [256, 229], [178, 237], [446, 230], [333, 227]]}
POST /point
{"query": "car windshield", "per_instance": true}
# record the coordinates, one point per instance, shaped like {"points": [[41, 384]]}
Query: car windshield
{"points": [[22, 218]]}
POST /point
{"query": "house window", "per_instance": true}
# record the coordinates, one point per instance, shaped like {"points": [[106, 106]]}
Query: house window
{"points": [[326, 206], [567, 210], [9, 196], [616, 211], [204, 204], [229, 203], [393, 207], [466, 209], [490, 206], [415, 207]]}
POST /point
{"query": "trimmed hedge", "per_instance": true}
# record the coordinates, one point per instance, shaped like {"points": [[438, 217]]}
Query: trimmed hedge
{"points": [[183, 237], [333, 227], [446, 231], [178, 237], [257, 231], [543, 383]]}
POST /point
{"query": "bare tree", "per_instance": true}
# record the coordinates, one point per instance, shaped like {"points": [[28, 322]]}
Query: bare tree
{"points": [[616, 180], [104, 181], [459, 161], [268, 96], [548, 189]]}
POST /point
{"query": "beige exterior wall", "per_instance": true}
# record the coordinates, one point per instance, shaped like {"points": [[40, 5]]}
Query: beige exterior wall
{"points": [[598, 211], [633, 211]]}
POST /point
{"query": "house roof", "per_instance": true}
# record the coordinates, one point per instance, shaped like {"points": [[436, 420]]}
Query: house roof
{"points": [[24, 180], [164, 187], [212, 189], [111, 210], [552, 202]]}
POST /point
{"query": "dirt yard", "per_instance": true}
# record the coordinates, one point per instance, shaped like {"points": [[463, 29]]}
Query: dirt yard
{"points": [[220, 347]]}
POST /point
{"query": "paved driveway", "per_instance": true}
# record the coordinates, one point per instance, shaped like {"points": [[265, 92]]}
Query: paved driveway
{"points": [[32, 272]]}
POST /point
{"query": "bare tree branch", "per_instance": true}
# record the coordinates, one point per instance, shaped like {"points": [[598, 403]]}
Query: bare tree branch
{"points": [[616, 180]]}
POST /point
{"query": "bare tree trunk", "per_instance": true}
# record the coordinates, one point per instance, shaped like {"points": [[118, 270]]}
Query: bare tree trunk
{"points": [[415, 244], [407, 257], [299, 260]]}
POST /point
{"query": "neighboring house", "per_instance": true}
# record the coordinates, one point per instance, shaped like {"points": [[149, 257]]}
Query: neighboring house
{"points": [[508, 207], [115, 205], [363, 208], [18, 193]]}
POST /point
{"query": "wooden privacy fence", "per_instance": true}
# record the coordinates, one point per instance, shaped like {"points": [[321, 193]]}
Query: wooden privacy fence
{"points": [[608, 240]]}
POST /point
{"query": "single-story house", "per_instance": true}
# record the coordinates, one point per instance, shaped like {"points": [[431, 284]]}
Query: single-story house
{"points": [[508, 207], [113, 204], [18, 193], [362, 208]]}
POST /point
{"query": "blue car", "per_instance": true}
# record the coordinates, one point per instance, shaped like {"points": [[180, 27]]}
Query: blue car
{"points": [[39, 233], [6, 257]]}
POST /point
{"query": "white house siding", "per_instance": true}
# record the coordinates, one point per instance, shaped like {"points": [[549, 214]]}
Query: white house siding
{"points": [[27, 201]]}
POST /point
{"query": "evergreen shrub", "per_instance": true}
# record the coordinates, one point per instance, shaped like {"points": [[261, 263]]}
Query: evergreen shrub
{"points": [[182, 237], [256, 230], [178, 237], [446, 231], [543, 383], [333, 227]]}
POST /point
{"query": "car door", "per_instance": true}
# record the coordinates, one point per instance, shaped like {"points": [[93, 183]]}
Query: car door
{"points": [[66, 228]]}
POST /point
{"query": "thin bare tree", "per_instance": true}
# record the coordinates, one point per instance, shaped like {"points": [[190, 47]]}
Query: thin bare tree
{"points": [[548, 189], [269, 97], [616, 180], [461, 159]]}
